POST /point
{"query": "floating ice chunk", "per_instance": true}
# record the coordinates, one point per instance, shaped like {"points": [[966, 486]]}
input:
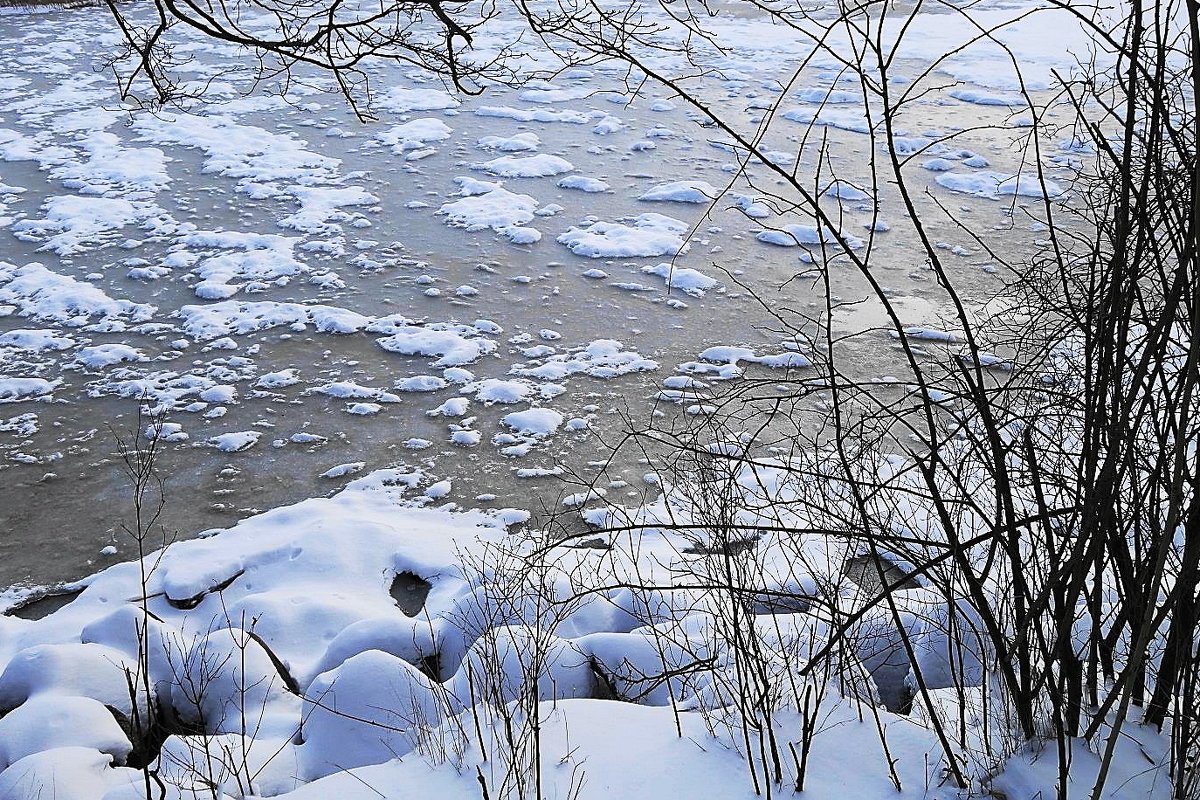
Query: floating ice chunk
{"points": [[278, 380], [235, 442], [516, 143], [687, 191], [264, 258], [831, 116], [536, 422], [218, 320], [453, 407], [41, 294], [534, 115], [537, 472], [415, 135], [822, 96], [845, 191], [650, 235], [71, 223], [583, 184], [496, 208], [402, 100], [521, 235], [363, 409], [257, 158], [341, 470], [14, 390], [608, 125], [166, 432], [579, 498], [689, 281], [35, 341], [105, 355], [988, 361], [465, 438], [732, 356], [349, 390], [807, 235], [547, 96], [909, 145], [454, 345], [22, 425], [320, 207], [110, 167], [679, 396], [495, 390], [683, 382], [986, 98], [992, 185], [539, 166], [469, 187], [928, 334], [603, 358], [752, 207], [488, 326], [421, 383]]}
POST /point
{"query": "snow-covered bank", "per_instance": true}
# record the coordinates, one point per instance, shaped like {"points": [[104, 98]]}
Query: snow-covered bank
{"points": [[372, 644]]}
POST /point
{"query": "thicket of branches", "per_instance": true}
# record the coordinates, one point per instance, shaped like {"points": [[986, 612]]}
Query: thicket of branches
{"points": [[1028, 487]]}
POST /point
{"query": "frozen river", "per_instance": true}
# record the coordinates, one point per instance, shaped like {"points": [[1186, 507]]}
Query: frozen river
{"points": [[481, 287]]}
